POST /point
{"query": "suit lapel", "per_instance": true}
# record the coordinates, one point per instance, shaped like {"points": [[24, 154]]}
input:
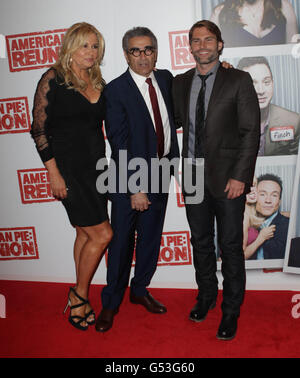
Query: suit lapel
{"points": [[274, 116], [186, 90], [162, 87], [164, 92], [137, 98], [218, 84]]}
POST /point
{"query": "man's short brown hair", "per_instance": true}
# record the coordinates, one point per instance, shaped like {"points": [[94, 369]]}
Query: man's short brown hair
{"points": [[213, 28]]}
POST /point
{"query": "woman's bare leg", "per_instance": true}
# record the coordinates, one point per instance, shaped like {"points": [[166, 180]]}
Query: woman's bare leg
{"points": [[89, 247]]}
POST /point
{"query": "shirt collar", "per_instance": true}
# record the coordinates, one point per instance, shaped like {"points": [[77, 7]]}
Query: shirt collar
{"points": [[269, 220], [139, 79], [213, 70]]}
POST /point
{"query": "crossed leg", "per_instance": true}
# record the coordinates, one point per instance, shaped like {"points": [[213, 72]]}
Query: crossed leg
{"points": [[89, 247]]}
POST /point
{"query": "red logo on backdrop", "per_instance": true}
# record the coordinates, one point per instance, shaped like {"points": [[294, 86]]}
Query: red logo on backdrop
{"points": [[33, 50], [34, 185], [181, 57], [14, 115], [18, 243], [175, 249]]}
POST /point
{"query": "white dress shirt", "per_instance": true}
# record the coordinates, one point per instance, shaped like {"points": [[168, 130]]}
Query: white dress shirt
{"points": [[140, 81]]}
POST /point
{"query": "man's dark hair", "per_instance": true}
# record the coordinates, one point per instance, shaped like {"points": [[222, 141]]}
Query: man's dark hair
{"points": [[270, 177], [138, 31], [210, 26], [252, 61]]}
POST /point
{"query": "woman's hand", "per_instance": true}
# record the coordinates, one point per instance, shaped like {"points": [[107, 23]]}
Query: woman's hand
{"points": [[57, 182], [267, 233], [58, 185], [252, 196]]}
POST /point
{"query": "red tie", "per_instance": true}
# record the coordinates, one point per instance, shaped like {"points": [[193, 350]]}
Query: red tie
{"points": [[157, 119]]}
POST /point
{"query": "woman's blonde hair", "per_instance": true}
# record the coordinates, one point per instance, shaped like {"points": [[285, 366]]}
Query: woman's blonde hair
{"points": [[75, 38], [255, 220]]}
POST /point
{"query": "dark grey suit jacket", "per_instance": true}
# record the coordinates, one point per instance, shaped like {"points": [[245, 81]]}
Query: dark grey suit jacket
{"points": [[232, 128]]}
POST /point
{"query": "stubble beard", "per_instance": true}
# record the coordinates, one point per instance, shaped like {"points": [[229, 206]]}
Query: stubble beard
{"points": [[207, 60]]}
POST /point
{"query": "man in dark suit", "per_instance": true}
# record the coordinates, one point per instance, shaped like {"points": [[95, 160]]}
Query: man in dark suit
{"points": [[139, 122], [220, 116]]}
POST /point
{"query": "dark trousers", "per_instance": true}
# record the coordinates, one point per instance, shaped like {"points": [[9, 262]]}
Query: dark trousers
{"points": [[148, 226], [229, 218]]}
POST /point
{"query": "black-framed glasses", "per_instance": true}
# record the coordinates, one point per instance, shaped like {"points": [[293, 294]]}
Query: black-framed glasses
{"points": [[148, 50]]}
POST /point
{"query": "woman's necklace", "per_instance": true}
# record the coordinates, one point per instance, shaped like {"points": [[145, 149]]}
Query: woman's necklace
{"points": [[254, 12], [251, 17]]}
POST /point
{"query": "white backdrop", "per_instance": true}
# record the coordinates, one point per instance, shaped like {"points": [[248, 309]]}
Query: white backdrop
{"points": [[36, 239]]}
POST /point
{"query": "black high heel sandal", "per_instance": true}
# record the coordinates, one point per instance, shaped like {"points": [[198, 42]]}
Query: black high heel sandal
{"points": [[90, 313], [80, 319]]}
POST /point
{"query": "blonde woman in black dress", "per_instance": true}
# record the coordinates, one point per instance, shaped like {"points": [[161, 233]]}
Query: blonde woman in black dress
{"points": [[67, 116]]}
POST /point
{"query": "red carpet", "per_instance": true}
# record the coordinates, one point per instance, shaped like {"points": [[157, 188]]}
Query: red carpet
{"points": [[34, 327]]}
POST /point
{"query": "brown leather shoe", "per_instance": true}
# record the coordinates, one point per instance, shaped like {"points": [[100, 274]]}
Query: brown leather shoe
{"points": [[105, 320], [151, 304]]}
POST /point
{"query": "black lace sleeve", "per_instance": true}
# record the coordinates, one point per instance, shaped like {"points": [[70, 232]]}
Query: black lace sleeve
{"points": [[42, 105]]}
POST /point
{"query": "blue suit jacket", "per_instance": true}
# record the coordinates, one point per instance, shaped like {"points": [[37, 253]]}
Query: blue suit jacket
{"points": [[128, 122]]}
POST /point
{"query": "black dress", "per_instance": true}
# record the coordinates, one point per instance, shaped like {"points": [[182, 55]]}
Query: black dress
{"points": [[68, 127]]}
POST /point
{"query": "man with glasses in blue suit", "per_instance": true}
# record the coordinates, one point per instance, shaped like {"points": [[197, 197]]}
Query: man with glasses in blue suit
{"points": [[139, 122]]}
